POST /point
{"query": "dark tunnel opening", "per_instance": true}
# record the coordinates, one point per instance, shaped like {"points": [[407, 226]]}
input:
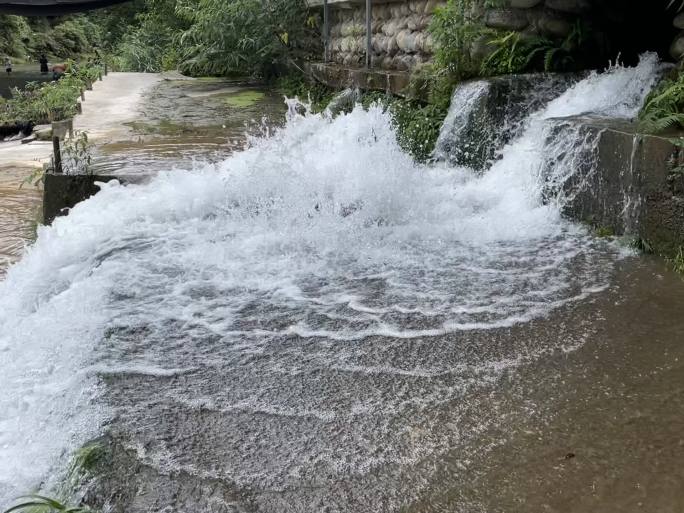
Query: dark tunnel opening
{"points": [[625, 29]]}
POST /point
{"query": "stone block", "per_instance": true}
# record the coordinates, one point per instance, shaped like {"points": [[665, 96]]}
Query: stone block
{"points": [[506, 19]]}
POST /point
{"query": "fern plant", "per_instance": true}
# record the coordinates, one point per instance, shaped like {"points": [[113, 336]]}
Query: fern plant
{"points": [[510, 55], [664, 107], [558, 55]]}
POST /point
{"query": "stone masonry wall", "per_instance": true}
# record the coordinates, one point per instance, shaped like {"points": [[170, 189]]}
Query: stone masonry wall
{"points": [[401, 40], [400, 37]]}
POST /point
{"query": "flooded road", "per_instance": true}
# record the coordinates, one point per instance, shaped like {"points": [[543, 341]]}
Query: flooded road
{"points": [[186, 120], [318, 323], [179, 122]]}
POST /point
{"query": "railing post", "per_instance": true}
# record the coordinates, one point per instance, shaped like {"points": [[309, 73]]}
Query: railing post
{"points": [[369, 34], [326, 31], [57, 155]]}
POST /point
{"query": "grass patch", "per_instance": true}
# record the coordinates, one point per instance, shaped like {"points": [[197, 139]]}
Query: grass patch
{"points": [[604, 232], [88, 456], [244, 99], [677, 262]]}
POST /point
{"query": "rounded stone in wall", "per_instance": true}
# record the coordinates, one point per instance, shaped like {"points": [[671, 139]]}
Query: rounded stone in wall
{"points": [[506, 19], [570, 6], [401, 63], [679, 21], [677, 48], [417, 6], [481, 48], [413, 21], [554, 26], [432, 5], [407, 41]]}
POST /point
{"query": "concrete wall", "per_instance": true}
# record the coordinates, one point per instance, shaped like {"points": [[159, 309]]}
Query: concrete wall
{"points": [[632, 184]]}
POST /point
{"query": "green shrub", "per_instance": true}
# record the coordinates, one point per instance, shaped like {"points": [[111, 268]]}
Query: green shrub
{"points": [[664, 107], [417, 124], [455, 27], [15, 33], [50, 101], [298, 85], [248, 37]]}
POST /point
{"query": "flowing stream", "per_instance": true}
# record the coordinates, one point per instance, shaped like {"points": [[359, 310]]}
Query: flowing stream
{"points": [[314, 322]]}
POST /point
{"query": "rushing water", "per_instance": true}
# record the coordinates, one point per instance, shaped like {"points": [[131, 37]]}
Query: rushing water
{"points": [[313, 322]]}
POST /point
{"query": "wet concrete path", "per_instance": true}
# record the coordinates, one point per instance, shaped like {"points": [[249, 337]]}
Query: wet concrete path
{"points": [[139, 123]]}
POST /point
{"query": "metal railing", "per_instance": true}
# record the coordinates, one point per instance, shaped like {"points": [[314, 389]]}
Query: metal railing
{"points": [[369, 32]]}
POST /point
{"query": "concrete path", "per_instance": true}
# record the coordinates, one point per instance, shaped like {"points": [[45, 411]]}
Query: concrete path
{"points": [[112, 102]]}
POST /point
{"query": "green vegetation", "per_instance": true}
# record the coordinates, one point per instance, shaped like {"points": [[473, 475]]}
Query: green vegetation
{"points": [[199, 37], [42, 504], [298, 85], [51, 101], [254, 37], [77, 159], [466, 49], [417, 124], [604, 232], [664, 107], [677, 261], [66, 37], [244, 99]]}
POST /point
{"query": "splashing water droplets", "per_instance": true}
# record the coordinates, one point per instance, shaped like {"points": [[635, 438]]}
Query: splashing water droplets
{"points": [[324, 230]]}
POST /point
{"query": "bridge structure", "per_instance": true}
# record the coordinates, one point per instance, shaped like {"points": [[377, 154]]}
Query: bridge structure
{"points": [[52, 7]]}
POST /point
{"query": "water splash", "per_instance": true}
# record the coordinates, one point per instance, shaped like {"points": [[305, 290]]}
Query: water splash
{"points": [[324, 235]]}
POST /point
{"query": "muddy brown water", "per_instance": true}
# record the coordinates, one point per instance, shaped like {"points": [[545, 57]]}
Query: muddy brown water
{"points": [[20, 207]]}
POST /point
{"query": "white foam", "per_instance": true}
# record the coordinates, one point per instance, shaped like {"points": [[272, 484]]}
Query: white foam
{"points": [[325, 229]]}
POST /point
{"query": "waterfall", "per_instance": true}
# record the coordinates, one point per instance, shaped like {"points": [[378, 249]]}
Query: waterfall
{"points": [[285, 282], [485, 115]]}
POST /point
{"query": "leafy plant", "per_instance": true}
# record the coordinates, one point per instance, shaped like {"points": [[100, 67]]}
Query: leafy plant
{"points": [[42, 504], [664, 107], [77, 156], [677, 261], [455, 27], [511, 55], [247, 37], [298, 85], [417, 124], [36, 178], [558, 55]]}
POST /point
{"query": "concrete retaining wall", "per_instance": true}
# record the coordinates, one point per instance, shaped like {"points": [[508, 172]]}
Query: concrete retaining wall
{"points": [[632, 184]]}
